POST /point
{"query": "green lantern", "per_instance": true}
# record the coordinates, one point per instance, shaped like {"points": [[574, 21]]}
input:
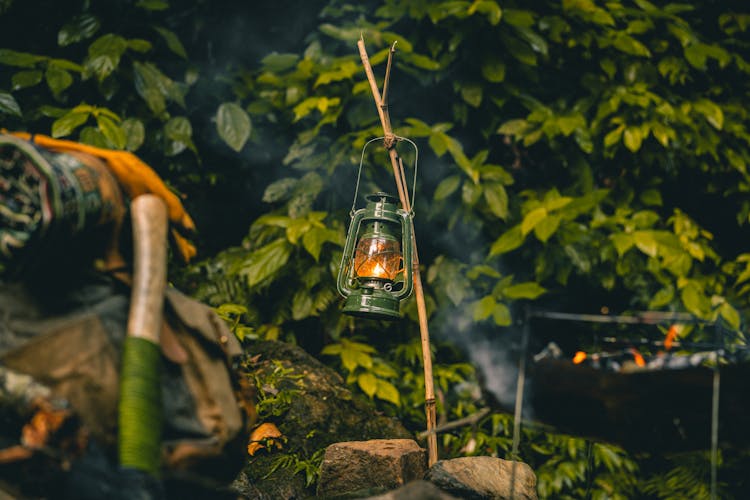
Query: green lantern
{"points": [[375, 273]]}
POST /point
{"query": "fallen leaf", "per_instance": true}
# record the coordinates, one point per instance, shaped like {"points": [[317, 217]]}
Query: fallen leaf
{"points": [[266, 435]]}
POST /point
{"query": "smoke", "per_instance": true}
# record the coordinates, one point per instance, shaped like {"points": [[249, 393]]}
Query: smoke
{"points": [[495, 354]]}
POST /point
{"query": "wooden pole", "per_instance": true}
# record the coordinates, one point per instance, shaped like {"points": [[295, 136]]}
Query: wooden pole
{"points": [[403, 194]]}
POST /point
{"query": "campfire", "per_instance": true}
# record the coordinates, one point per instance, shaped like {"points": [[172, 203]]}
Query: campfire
{"points": [[642, 392]]}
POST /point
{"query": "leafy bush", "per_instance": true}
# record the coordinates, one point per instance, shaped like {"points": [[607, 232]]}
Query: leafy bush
{"points": [[573, 155]]}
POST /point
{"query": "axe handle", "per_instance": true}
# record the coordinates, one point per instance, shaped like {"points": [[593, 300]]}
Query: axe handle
{"points": [[140, 418]]}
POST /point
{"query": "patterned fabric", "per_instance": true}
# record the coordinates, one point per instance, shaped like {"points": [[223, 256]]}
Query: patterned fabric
{"points": [[47, 198], [135, 178]]}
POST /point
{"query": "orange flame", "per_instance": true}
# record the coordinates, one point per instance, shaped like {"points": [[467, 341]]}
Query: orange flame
{"points": [[671, 336], [372, 269], [579, 357], [637, 357]]}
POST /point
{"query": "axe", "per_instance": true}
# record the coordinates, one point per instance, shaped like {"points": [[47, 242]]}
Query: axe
{"points": [[140, 407]]}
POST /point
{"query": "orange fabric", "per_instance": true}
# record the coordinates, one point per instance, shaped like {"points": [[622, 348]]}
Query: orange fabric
{"points": [[135, 177]]}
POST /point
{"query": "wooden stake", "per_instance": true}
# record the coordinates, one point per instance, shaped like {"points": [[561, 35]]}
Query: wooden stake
{"points": [[403, 194]]}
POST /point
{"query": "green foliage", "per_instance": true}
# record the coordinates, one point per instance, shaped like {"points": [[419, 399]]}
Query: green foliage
{"points": [[573, 155], [371, 374], [309, 466], [276, 390]]}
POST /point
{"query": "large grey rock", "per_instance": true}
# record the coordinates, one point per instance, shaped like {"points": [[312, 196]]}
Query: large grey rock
{"points": [[353, 469], [484, 478]]}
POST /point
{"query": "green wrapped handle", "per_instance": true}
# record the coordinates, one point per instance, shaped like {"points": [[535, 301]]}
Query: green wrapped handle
{"points": [[140, 407]]}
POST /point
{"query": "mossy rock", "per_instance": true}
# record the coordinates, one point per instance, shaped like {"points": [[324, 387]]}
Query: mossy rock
{"points": [[317, 410]]}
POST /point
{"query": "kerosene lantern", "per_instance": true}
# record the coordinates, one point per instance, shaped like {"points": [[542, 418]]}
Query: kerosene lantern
{"points": [[376, 268]]}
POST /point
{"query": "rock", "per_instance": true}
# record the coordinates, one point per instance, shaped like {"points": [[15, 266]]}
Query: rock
{"points": [[484, 478], [416, 490], [351, 469], [321, 411]]}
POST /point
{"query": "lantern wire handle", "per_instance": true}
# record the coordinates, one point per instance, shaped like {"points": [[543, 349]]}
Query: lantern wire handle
{"points": [[361, 163]]}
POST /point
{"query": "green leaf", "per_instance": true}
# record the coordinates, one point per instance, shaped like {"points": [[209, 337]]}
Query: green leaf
{"points": [[135, 133], [139, 45], [388, 392], [345, 70], [19, 59], [153, 5], [302, 305], [57, 79], [531, 219], [420, 61], [280, 190], [180, 133], [368, 383], [155, 87], [536, 42], [519, 18], [67, 65], [631, 46], [24, 79], [233, 125], [501, 315], [228, 309], [491, 10], [447, 187], [547, 227], [613, 137], [93, 137], [632, 138], [730, 315], [277, 63], [528, 290], [651, 197], [472, 94], [101, 66], [359, 346], [111, 131], [65, 125], [622, 242], [509, 240], [553, 201], [483, 308], [519, 49], [711, 111], [332, 350], [493, 70], [646, 242], [694, 300], [79, 28], [8, 104], [104, 55], [265, 262], [173, 42], [349, 359], [696, 54], [497, 199], [662, 298], [513, 127], [314, 239]]}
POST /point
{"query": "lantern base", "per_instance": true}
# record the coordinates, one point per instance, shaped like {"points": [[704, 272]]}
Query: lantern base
{"points": [[373, 304]]}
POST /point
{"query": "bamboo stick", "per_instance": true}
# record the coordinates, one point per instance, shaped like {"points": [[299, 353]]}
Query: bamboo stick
{"points": [[403, 195]]}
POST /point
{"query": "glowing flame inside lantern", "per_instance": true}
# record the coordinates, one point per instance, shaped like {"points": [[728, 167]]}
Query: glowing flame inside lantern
{"points": [[378, 258]]}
